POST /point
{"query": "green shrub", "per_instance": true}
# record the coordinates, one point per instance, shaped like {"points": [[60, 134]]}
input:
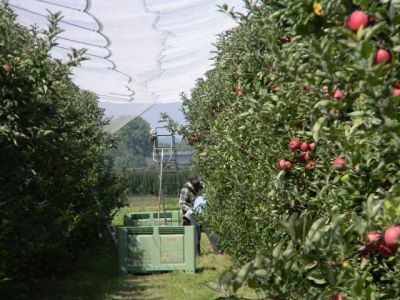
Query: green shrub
{"points": [[54, 180]]}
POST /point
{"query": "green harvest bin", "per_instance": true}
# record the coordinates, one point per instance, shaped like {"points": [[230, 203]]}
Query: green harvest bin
{"points": [[155, 248], [151, 218]]}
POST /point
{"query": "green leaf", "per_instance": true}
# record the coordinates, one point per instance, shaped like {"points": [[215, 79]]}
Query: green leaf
{"points": [[366, 49], [322, 103], [354, 128], [356, 114], [388, 204], [290, 226], [396, 48], [317, 128], [213, 286], [313, 234], [225, 280], [258, 261], [310, 266], [317, 282], [370, 32], [289, 250], [337, 221], [262, 273], [276, 253], [360, 33], [244, 271]]}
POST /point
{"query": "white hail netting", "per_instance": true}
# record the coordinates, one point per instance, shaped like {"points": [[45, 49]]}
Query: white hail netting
{"points": [[148, 51]]}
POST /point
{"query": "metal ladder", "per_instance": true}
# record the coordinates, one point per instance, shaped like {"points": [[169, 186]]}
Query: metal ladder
{"points": [[166, 157]]}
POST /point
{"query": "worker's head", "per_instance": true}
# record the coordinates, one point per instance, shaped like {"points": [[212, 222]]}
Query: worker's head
{"points": [[195, 181], [202, 184]]}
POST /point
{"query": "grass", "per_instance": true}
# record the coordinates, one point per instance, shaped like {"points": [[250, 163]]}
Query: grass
{"points": [[95, 276], [173, 285]]}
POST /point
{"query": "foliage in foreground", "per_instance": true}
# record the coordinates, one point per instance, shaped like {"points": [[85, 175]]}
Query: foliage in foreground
{"points": [[299, 124], [56, 188]]}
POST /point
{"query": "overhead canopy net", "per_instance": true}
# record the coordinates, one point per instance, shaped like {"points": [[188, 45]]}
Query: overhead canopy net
{"points": [[141, 52]]}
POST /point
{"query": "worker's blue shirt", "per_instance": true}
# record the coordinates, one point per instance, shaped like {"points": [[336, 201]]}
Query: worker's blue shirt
{"points": [[199, 204]]}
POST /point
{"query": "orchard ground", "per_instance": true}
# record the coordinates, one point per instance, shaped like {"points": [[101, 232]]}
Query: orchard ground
{"points": [[95, 277]]}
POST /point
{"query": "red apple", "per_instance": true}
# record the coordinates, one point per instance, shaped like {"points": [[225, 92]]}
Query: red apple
{"points": [[294, 144], [281, 164], [238, 90], [371, 20], [382, 56], [338, 94], [6, 68], [304, 147], [391, 236], [312, 146], [374, 239], [305, 156], [373, 235], [288, 165], [337, 296], [311, 164], [357, 19], [385, 250], [339, 163], [396, 92]]}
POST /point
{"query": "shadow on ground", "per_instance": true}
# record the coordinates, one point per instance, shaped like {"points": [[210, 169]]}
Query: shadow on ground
{"points": [[134, 289], [94, 277]]}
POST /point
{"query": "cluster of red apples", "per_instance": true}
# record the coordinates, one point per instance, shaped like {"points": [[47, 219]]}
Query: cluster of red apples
{"points": [[306, 149], [386, 243]]}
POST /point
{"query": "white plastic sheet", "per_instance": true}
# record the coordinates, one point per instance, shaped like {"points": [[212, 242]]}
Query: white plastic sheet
{"points": [[140, 51]]}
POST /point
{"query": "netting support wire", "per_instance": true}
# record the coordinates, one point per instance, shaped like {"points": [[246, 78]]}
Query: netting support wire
{"points": [[88, 54], [99, 24], [60, 5], [114, 98], [121, 94], [45, 16], [129, 77]]}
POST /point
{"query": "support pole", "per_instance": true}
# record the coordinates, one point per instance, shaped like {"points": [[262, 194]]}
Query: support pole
{"points": [[160, 192], [160, 196]]}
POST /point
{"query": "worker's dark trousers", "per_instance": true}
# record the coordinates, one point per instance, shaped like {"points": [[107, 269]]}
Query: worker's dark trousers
{"points": [[212, 237], [197, 234]]}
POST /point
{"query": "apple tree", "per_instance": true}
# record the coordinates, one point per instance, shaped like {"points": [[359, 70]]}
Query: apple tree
{"points": [[297, 132], [56, 186]]}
